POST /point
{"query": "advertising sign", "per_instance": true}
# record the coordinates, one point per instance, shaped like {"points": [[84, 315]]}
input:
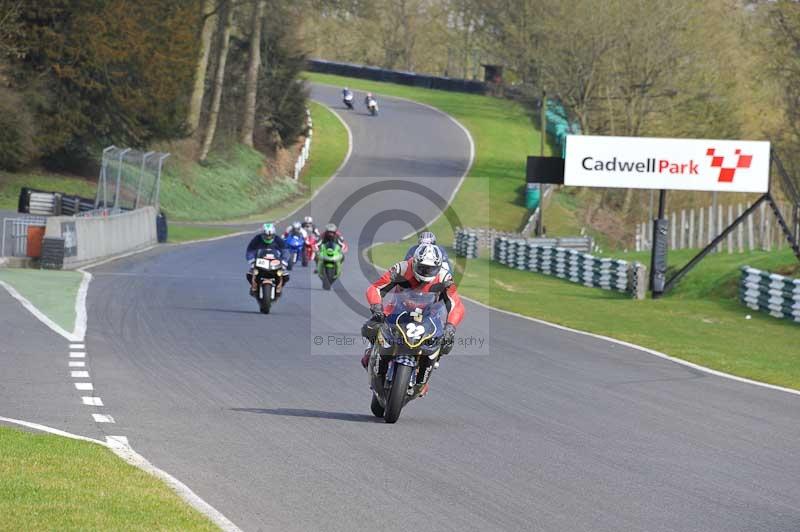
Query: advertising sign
{"points": [[670, 164]]}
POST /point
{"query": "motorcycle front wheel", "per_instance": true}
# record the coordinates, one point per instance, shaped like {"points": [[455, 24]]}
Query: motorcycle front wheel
{"points": [[397, 394], [375, 406]]}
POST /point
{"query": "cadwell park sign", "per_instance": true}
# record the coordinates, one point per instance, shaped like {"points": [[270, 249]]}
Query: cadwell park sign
{"points": [[667, 164]]}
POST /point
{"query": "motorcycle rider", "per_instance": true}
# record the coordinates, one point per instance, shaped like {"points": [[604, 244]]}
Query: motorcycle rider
{"points": [[269, 240], [347, 94], [423, 272], [332, 235], [295, 229], [426, 237], [368, 99], [309, 227]]}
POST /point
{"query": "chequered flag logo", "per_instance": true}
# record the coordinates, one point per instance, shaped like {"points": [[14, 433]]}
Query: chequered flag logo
{"points": [[726, 173]]}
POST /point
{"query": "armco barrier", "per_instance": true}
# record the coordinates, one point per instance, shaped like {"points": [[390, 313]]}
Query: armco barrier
{"points": [[572, 265], [396, 76], [777, 295], [91, 238]]}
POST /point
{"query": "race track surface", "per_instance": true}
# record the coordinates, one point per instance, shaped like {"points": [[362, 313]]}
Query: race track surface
{"points": [[530, 428]]}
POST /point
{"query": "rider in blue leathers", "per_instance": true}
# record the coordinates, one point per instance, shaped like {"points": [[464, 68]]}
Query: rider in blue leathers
{"points": [[267, 239], [426, 237]]}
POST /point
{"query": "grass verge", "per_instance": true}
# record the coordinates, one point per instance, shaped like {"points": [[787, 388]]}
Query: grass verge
{"points": [[52, 292], [187, 233], [10, 185], [701, 321], [53, 483]]}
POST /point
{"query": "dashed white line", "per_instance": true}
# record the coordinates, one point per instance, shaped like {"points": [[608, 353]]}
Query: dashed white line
{"points": [[80, 374], [77, 346], [77, 364], [92, 401], [84, 386], [77, 354], [102, 418]]}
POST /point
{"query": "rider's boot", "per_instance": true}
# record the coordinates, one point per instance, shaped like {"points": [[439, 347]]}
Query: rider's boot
{"points": [[365, 358]]}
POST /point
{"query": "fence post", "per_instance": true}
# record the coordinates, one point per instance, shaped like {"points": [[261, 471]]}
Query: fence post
{"points": [[740, 230], [682, 242], [691, 228], [730, 235], [701, 227]]}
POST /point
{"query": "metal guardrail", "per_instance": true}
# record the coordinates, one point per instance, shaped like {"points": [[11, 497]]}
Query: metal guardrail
{"points": [[572, 265], [14, 241], [777, 295]]}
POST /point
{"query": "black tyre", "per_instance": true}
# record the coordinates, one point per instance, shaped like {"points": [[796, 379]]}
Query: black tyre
{"points": [[377, 409], [305, 259], [397, 394], [326, 284], [292, 258], [264, 305]]}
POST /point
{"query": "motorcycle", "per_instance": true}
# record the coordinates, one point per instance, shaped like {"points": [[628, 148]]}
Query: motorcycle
{"points": [[372, 106], [348, 101], [329, 266], [310, 251], [405, 351], [268, 271], [294, 248]]}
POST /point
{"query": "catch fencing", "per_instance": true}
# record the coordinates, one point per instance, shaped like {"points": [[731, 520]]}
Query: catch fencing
{"points": [[572, 265], [777, 295], [129, 179]]}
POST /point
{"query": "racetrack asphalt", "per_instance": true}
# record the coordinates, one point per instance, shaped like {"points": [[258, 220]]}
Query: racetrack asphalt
{"points": [[535, 428]]}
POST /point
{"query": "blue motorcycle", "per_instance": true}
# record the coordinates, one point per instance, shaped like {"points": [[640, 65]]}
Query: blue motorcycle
{"points": [[294, 248]]}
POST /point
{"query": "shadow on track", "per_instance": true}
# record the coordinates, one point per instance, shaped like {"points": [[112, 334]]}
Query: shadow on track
{"points": [[319, 414]]}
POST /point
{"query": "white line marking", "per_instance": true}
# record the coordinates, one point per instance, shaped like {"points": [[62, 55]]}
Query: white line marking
{"points": [[77, 364], [119, 445], [102, 418], [84, 386], [77, 346], [92, 401], [37, 313], [79, 331], [117, 440], [79, 374], [77, 354]]}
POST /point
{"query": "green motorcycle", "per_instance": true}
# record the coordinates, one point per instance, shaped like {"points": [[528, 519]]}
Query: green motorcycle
{"points": [[329, 264]]}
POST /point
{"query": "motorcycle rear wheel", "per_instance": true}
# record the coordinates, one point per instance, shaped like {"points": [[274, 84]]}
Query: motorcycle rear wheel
{"points": [[397, 394]]}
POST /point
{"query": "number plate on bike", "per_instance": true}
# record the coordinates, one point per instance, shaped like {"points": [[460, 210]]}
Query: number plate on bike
{"points": [[263, 263]]}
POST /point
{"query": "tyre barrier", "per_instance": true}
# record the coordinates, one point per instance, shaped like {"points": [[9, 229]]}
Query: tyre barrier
{"points": [[572, 265], [776, 295], [469, 241]]}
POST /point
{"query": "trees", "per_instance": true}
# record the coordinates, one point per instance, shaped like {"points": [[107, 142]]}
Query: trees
{"points": [[199, 88], [254, 64], [225, 27]]}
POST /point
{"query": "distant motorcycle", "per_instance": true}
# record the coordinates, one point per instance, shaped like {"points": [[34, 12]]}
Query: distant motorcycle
{"points": [[268, 270], [294, 249], [329, 267], [372, 106], [348, 101], [310, 250], [413, 330]]}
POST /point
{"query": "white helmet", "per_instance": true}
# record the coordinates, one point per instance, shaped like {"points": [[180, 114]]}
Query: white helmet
{"points": [[296, 226], [426, 237], [308, 220], [427, 262]]}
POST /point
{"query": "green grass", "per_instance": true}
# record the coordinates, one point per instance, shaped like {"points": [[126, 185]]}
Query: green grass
{"points": [[504, 135], [328, 147], [52, 292], [187, 233], [701, 321], [10, 185], [54, 483]]}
